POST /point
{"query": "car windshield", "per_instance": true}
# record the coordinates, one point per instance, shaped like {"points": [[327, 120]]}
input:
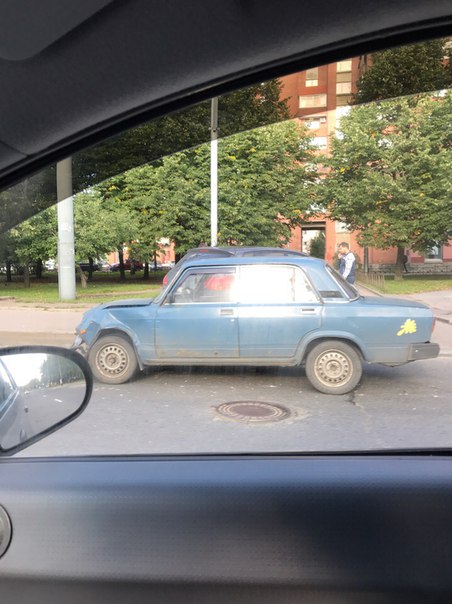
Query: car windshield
{"points": [[204, 262]]}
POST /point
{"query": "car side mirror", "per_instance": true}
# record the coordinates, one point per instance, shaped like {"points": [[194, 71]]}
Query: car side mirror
{"points": [[42, 388]]}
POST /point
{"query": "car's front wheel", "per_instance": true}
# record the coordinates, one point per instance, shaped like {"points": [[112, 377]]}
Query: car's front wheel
{"points": [[333, 367], [113, 360]]}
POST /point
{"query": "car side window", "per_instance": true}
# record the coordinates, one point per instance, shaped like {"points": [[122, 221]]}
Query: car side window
{"points": [[204, 286], [270, 284]]}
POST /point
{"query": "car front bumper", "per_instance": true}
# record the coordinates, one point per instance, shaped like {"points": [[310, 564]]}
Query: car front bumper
{"points": [[80, 346]]}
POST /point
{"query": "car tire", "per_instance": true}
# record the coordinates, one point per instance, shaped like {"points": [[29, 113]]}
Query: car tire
{"points": [[334, 367], [113, 360]]}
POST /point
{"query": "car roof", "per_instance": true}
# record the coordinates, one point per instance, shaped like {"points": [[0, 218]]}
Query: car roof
{"points": [[57, 58], [235, 250], [306, 261], [240, 250]]}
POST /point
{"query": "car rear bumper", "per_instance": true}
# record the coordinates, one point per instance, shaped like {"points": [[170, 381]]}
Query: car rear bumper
{"points": [[425, 350]]}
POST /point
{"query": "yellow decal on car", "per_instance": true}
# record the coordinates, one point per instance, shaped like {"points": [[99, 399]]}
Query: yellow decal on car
{"points": [[408, 327]]}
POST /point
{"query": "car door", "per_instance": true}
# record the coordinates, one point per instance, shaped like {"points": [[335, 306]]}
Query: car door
{"points": [[198, 318], [277, 308]]}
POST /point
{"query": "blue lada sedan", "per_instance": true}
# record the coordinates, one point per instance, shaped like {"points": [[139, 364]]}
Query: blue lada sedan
{"points": [[288, 311]]}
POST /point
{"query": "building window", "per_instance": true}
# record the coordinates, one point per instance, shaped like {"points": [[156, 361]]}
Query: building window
{"points": [[344, 77], [316, 122], [341, 227], [344, 88], [312, 100], [312, 77], [343, 100], [435, 253], [344, 66], [320, 141]]}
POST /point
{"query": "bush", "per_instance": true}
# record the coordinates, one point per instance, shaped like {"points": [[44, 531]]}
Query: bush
{"points": [[317, 247]]}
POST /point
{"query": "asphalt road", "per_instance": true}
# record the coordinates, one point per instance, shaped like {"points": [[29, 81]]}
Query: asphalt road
{"points": [[175, 411]]}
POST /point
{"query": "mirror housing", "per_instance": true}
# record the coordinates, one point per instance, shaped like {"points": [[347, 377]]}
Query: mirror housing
{"points": [[42, 388]]}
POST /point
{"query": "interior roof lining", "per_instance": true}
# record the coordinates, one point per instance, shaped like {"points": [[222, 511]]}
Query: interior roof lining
{"points": [[105, 128], [26, 33]]}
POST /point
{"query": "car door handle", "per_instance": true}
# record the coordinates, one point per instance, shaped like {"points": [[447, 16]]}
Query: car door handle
{"points": [[226, 312], [308, 310]]}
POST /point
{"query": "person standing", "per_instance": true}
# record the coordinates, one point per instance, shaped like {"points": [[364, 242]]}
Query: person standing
{"points": [[347, 266], [341, 259]]}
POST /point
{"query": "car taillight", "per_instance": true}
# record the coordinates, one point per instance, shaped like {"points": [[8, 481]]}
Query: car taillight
{"points": [[434, 323], [165, 280]]}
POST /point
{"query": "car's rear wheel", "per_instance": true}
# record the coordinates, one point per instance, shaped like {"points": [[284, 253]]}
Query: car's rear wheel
{"points": [[334, 367], [113, 360]]}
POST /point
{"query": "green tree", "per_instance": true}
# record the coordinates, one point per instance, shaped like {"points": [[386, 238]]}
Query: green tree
{"points": [[264, 189], [389, 176], [404, 70], [34, 240], [137, 189], [317, 246], [250, 107], [137, 185], [100, 227], [57, 370], [7, 255]]}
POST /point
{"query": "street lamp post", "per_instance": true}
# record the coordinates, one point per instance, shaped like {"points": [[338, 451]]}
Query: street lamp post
{"points": [[65, 209], [214, 172]]}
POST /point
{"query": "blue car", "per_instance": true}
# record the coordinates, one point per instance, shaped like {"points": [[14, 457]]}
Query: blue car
{"points": [[288, 311]]}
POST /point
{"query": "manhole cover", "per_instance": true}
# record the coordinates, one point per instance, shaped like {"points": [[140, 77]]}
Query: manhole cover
{"points": [[253, 411]]}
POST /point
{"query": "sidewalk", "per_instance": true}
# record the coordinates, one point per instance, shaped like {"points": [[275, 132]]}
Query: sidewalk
{"points": [[31, 324]]}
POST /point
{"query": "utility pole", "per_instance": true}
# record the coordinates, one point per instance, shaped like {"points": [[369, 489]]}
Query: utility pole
{"points": [[66, 252], [214, 172]]}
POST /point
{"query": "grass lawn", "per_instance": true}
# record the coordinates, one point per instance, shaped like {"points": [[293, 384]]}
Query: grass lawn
{"points": [[107, 286], [104, 288], [415, 285]]}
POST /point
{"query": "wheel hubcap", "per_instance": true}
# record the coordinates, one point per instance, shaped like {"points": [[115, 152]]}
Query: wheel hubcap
{"points": [[112, 360], [333, 368]]}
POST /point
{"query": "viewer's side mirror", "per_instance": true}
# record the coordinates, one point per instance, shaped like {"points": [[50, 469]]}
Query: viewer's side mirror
{"points": [[42, 388]]}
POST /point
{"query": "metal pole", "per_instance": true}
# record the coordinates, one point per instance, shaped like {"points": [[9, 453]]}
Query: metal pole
{"points": [[214, 172], [66, 252]]}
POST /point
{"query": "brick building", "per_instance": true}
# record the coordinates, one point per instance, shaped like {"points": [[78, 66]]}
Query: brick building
{"points": [[320, 97]]}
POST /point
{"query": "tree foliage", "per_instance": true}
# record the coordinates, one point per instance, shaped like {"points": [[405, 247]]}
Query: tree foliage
{"points": [[318, 245], [248, 108], [34, 239], [390, 169], [101, 226], [411, 69], [264, 188]]}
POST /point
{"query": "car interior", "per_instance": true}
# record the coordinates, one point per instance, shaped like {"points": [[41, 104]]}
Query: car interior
{"points": [[362, 526]]}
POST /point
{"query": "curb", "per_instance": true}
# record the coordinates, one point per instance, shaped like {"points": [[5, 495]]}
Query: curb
{"points": [[447, 321], [373, 291]]}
